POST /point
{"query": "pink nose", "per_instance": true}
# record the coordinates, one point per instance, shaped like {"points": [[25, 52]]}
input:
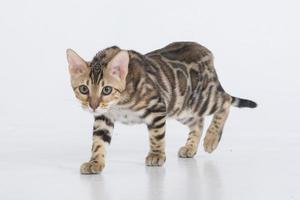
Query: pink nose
{"points": [[94, 103]]}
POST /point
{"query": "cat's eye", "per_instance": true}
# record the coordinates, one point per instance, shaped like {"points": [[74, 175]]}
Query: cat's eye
{"points": [[83, 89], [106, 90]]}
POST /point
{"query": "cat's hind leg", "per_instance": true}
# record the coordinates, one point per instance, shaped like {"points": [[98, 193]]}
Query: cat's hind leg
{"points": [[191, 146], [215, 129]]}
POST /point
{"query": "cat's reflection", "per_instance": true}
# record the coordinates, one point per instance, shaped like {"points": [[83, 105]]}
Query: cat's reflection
{"points": [[156, 188], [213, 181], [95, 184], [202, 179], [193, 179]]}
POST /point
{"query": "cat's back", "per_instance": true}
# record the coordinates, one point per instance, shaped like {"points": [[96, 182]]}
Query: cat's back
{"points": [[183, 72], [186, 52]]}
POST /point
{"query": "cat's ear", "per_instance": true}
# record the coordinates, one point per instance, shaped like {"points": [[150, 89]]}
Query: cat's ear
{"points": [[117, 68], [76, 64]]}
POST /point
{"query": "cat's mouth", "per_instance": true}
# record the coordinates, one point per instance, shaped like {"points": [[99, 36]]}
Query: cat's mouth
{"points": [[99, 110]]}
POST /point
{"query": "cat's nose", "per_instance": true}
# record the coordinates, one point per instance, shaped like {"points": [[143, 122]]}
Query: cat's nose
{"points": [[94, 103]]}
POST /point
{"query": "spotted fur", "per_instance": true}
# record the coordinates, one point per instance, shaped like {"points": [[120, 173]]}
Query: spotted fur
{"points": [[178, 81]]}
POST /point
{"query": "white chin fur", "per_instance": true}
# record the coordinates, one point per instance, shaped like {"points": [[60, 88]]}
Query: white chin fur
{"points": [[100, 111], [97, 111]]}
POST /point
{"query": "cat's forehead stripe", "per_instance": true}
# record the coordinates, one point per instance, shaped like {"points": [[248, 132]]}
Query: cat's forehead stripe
{"points": [[96, 73], [99, 61]]}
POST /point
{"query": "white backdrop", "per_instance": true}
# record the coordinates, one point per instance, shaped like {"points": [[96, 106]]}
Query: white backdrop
{"points": [[255, 43]]}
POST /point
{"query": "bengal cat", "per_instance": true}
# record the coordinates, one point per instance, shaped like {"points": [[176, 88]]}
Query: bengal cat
{"points": [[178, 81]]}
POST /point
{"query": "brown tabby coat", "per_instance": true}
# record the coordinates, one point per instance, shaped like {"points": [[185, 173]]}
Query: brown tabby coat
{"points": [[178, 81]]}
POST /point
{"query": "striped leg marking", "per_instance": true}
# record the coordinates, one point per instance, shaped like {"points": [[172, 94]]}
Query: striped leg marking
{"points": [[156, 155], [191, 146], [103, 127], [214, 132]]}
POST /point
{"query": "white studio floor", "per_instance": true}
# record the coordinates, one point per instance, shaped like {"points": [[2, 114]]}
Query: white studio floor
{"points": [[45, 165]]}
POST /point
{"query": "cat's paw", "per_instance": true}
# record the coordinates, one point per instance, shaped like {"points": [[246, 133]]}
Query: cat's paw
{"points": [[187, 152], [211, 142], [155, 159], [92, 167]]}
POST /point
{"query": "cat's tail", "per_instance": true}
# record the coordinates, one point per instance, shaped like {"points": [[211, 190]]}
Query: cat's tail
{"points": [[243, 103]]}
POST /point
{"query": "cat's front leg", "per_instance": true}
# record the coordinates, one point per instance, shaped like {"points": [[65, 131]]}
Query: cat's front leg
{"points": [[156, 127], [102, 131]]}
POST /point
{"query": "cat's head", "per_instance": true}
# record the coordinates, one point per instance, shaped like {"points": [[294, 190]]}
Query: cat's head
{"points": [[98, 84]]}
